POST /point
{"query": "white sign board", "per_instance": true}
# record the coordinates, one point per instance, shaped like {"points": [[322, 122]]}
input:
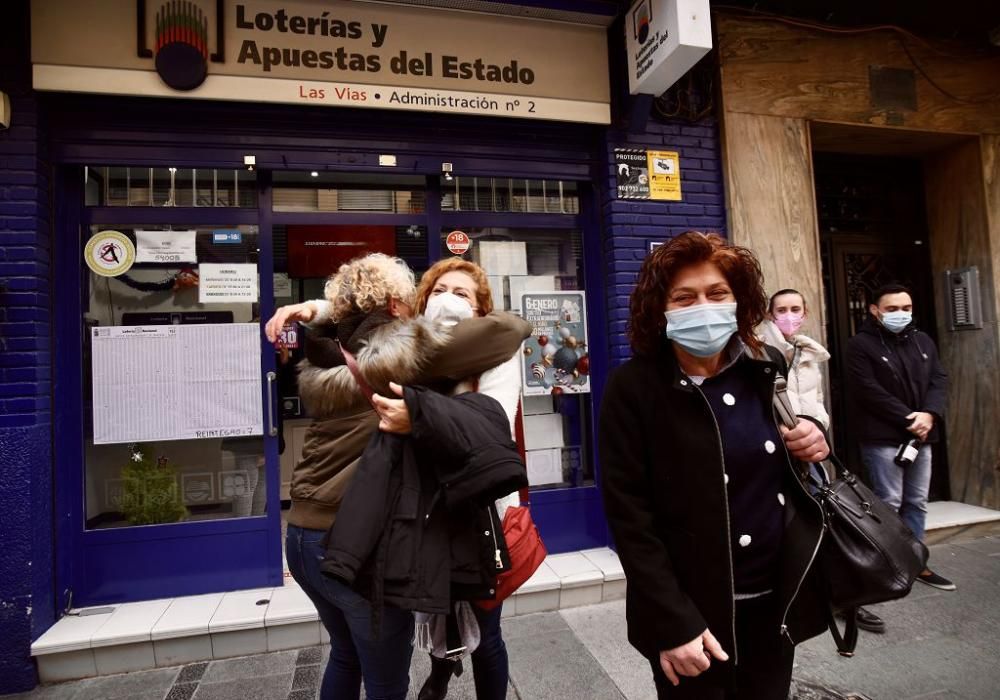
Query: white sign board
{"points": [[664, 39], [176, 382], [333, 53], [227, 283], [166, 246]]}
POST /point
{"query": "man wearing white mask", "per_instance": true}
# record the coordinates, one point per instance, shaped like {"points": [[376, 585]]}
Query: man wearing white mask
{"points": [[898, 390]]}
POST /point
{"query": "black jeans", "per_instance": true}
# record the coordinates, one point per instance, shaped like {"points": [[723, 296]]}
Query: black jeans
{"points": [[764, 668]]}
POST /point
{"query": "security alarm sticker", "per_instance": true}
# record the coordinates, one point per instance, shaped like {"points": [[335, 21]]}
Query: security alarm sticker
{"points": [[109, 253]]}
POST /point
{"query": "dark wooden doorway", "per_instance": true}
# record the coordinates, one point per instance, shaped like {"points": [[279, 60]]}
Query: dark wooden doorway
{"points": [[873, 231]]}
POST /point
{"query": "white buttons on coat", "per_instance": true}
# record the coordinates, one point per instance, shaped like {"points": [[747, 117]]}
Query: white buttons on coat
{"points": [[728, 399], [726, 477], [745, 540], [770, 447], [781, 498]]}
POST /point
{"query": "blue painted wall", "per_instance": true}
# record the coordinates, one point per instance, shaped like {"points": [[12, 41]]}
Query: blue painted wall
{"points": [[26, 561]]}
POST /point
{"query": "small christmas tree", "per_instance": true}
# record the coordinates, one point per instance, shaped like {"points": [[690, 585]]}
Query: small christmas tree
{"points": [[149, 490]]}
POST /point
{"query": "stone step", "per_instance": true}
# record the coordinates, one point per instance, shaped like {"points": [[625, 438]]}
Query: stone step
{"points": [[160, 633], [950, 521]]}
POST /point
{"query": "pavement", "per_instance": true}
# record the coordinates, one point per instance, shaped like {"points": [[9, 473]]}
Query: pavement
{"points": [[939, 646]]}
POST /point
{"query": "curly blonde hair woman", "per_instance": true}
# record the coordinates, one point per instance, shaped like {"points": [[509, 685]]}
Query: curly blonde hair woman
{"points": [[364, 284]]}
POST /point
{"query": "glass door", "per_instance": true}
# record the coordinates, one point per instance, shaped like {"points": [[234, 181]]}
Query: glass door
{"points": [[530, 237], [179, 427]]}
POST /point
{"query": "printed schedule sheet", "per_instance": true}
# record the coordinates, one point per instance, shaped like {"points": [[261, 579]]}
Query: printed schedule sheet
{"points": [[178, 382]]}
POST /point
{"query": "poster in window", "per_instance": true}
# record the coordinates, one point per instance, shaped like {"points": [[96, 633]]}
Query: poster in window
{"points": [[556, 359]]}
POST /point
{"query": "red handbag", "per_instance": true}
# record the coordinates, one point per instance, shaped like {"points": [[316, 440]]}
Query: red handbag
{"points": [[524, 544], [527, 552]]}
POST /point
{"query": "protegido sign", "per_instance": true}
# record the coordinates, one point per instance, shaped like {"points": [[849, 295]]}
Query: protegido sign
{"points": [[335, 53]]}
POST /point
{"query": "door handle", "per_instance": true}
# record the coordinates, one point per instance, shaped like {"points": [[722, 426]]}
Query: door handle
{"points": [[272, 429]]}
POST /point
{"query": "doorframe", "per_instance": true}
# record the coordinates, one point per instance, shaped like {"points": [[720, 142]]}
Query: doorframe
{"points": [[73, 540]]}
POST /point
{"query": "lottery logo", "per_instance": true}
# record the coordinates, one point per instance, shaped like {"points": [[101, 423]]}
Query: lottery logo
{"points": [[109, 253]]}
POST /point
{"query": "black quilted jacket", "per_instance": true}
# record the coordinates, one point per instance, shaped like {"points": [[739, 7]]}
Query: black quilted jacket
{"points": [[417, 527]]}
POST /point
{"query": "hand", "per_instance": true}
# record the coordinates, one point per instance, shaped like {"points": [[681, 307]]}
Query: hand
{"points": [[922, 423], [293, 312], [805, 441], [393, 413], [692, 658]]}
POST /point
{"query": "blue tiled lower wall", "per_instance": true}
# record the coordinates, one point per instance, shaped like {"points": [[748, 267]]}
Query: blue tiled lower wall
{"points": [[26, 562]]}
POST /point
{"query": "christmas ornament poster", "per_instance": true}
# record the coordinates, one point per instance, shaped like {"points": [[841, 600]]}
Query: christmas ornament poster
{"points": [[555, 359]]}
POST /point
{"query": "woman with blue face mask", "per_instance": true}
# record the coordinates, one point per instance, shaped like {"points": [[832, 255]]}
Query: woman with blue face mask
{"points": [[713, 525]]}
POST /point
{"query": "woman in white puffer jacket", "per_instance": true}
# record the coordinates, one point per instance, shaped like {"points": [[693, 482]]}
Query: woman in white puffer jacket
{"points": [[786, 313]]}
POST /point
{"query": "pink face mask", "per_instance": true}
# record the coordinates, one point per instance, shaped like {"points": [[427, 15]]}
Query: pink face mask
{"points": [[789, 323]]}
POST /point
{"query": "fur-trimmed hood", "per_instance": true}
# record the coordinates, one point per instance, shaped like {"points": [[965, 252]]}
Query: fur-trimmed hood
{"points": [[397, 351]]}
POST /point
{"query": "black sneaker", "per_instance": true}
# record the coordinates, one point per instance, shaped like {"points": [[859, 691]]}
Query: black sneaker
{"points": [[936, 580]]}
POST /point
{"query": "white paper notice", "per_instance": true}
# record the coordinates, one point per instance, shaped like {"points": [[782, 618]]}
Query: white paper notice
{"points": [[227, 283], [528, 283], [282, 285], [176, 382], [166, 246], [503, 257], [544, 467]]}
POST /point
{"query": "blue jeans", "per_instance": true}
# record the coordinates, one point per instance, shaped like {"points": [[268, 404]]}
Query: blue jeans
{"points": [[489, 660], [902, 489], [355, 652]]}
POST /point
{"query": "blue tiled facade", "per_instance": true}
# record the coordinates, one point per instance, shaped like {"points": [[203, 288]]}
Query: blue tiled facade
{"points": [[28, 556], [630, 226], [26, 492]]}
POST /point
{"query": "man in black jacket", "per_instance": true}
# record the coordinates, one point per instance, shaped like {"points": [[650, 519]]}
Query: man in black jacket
{"points": [[898, 392]]}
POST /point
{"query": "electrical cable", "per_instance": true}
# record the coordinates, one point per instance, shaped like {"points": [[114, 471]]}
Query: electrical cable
{"points": [[111, 303]]}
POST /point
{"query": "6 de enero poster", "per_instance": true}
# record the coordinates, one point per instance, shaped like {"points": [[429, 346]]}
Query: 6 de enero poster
{"points": [[556, 358]]}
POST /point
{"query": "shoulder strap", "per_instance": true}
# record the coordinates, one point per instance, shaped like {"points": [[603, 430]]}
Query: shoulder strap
{"points": [[352, 365], [782, 404]]}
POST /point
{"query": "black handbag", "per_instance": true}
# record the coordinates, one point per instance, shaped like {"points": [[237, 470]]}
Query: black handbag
{"points": [[868, 555]]}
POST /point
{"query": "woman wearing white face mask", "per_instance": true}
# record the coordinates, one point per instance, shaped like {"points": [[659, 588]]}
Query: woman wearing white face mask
{"points": [[450, 291], [713, 526], [786, 312]]}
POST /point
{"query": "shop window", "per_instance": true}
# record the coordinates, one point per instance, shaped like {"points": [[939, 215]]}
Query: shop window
{"points": [[118, 186], [335, 192], [173, 419], [557, 406], [517, 195]]}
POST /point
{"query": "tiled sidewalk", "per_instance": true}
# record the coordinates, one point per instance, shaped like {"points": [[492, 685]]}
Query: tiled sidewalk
{"points": [[939, 646]]}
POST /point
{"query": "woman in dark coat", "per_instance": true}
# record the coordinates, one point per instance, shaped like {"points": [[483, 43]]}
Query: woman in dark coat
{"points": [[712, 522]]}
